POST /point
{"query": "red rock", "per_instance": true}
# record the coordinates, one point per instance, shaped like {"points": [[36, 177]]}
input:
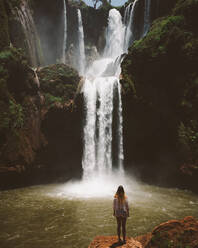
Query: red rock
{"points": [[173, 233], [112, 241]]}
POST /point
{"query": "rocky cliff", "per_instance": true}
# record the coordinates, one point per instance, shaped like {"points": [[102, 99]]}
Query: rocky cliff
{"points": [[160, 100], [27, 98], [19, 30]]}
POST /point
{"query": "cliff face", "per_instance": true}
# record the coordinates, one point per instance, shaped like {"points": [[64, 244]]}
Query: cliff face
{"points": [[62, 122], [19, 29], [26, 101], [4, 34], [160, 102], [20, 110]]}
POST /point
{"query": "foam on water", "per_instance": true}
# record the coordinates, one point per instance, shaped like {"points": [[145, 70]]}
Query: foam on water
{"points": [[98, 186]]}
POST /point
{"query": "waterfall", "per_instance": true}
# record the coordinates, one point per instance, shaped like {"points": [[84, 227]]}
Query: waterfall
{"points": [[129, 22], [120, 132], [81, 46], [147, 20], [65, 31], [127, 14], [31, 37], [100, 90], [114, 35]]}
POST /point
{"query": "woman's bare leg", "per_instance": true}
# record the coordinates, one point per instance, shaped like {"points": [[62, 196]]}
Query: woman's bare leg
{"points": [[123, 221], [118, 227]]}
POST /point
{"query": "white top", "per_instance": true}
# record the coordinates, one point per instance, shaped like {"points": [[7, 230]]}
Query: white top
{"points": [[117, 206]]}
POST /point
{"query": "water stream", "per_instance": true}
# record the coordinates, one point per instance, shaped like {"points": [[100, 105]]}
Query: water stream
{"points": [[129, 25], [147, 21], [81, 46], [32, 41], [65, 31]]}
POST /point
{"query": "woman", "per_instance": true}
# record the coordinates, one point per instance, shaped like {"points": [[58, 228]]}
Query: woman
{"points": [[121, 211]]}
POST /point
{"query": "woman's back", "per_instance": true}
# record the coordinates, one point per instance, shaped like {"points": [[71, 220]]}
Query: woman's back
{"points": [[121, 208]]}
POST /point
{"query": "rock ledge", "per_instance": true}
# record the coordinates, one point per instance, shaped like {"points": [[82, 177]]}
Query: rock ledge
{"points": [[112, 241]]}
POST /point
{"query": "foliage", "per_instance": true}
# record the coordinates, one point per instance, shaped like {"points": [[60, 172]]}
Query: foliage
{"points": [[188, 9], [161, 72], [12, 117], [50, 100], [13, 75], [58, 83], [4, 33]]}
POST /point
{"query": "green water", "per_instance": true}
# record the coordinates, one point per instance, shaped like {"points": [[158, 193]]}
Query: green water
{"points": [[39, 217]]}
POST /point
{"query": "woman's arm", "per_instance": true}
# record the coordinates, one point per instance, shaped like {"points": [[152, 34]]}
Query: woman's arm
{"points": [[114, 206], [127, 207]]}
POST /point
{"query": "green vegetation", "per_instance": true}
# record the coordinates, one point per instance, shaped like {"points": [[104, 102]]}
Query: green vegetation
{"points": [[21, 102], [58, 83], [13, 75], [4, 33], [11, 118], [160, 72]]}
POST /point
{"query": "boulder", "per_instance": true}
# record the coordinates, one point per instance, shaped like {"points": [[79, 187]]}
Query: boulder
{"points": [[173, 233]]}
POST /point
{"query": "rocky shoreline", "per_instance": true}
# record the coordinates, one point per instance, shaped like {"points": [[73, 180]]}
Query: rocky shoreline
{"points": [[173, 233]]}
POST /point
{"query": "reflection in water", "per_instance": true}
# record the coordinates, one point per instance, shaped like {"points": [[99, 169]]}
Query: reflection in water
{"points": [[54, 216]]}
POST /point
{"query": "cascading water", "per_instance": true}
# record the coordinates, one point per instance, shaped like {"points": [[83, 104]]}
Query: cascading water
{"points": [[127, 14], [147, 21], [65, 31], [100, 87], [103, 134], [114, 35], [31, 37], [129, 22], [81, 46]]}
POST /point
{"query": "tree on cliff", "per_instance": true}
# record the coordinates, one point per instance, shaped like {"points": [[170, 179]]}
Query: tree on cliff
{"points": [[102, 2]]}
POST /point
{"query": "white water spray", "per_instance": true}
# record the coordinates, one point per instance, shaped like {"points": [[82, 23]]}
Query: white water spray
{"points": [[65, 32], [81, 46]]}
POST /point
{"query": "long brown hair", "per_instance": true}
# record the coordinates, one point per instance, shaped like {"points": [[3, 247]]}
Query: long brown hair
{"points": [[120, 194]]}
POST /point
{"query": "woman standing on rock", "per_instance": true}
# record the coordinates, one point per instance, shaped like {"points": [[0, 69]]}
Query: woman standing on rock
{"points": [[121, 212]]}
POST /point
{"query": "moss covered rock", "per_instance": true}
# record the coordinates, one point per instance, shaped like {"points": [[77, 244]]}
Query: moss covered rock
{"points": [[58, 83], [160, 82], [20, 105]]}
